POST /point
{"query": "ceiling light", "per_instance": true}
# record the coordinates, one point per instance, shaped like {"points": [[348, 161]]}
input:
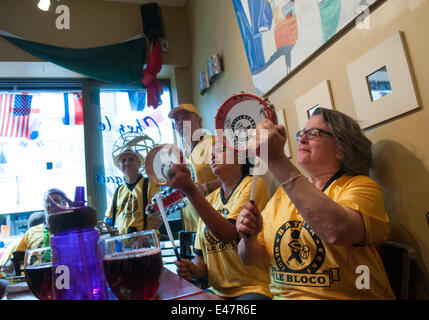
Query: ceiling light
{"points": [[44, 5]]}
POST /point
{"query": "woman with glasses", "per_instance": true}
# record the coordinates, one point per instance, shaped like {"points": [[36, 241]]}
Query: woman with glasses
{"points": [[319, 231]]}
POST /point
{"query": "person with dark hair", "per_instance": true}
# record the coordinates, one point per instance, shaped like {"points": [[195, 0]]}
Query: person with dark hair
{"points": [[37, 234], [216, 239], [36, 218], [34, 236], [319, 232]]}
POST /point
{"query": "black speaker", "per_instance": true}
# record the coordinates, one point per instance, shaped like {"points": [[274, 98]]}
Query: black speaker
{"points": [[153, 27]]}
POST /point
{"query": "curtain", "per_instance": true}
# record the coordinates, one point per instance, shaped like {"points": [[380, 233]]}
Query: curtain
{"points": [[120, 63]]}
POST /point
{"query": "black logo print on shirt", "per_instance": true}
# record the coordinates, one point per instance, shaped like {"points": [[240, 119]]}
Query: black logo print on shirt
{"points": [[299, 254], [129, 206], [213, 245]]}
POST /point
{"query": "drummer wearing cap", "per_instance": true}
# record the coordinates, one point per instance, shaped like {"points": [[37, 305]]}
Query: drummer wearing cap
{"points": [[198, 146], [131, 198]]}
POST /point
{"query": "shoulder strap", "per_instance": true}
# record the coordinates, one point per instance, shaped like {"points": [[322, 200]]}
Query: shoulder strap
{"points": [[115, 200], [145, 201]]}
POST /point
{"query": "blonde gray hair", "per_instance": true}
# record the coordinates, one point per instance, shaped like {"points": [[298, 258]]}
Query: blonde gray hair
{"points": [[354, 146]]}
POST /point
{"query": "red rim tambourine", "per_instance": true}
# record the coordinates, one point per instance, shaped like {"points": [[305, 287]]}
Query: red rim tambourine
{"points": [[159, 161], [238, 116]]}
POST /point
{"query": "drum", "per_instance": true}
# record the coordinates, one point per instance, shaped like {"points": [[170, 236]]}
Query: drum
{"points": [[158, 164], [172, 199], [238, 116], [159, 161]]}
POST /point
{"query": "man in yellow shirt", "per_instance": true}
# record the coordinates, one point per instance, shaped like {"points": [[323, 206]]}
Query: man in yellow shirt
{"points": [[197, 150], [130, 199]]}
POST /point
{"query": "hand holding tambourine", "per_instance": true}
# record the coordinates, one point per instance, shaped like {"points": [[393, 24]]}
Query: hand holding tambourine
{"points": [[237, 118], [158, 164], [160, 160], [180, 178], [269, 137], [237, 121]]}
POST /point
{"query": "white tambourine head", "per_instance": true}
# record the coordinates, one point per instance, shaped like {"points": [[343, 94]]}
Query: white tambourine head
{"points": [[159, 161]]}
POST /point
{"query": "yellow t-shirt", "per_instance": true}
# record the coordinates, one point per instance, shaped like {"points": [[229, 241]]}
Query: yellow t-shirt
{"points": [[227, 275], [32, 239], [302, 266], [199, 163], [190, 217], [129, 205], [200, 160]]}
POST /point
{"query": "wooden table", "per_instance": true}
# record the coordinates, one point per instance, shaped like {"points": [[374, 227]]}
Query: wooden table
{"points": [[172, 287]]}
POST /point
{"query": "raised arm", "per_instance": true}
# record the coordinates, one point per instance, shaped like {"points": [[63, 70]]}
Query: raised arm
{"points": [[221, 228], [332, 222]]}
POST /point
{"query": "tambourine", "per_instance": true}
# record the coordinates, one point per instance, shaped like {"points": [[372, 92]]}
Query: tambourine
{"points": [[172, 199], [237, 117], [160, 160]]}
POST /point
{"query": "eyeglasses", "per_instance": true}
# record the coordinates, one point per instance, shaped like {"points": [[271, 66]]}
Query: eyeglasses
{"points": [[311, 133]]}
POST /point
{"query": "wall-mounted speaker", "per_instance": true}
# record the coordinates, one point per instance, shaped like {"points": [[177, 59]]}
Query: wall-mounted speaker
{"points": [[153, 26]]}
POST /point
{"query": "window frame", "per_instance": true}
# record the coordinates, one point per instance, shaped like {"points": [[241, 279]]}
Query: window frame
{"points": [[93, 140]]}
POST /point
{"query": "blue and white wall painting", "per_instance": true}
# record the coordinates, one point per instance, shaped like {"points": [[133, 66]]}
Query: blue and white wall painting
{"points": [[278, 35]]}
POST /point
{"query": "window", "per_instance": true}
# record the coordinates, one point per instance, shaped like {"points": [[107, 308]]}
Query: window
{"points": [[41, 147], [126, 110], [51, 152]]}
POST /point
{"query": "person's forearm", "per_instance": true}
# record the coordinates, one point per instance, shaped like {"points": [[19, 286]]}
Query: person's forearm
{"points": [[251, 251], [328, 219], [221, 228]]}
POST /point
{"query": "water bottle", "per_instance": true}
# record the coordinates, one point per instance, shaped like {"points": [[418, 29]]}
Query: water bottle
{"points": [[77, 266]]}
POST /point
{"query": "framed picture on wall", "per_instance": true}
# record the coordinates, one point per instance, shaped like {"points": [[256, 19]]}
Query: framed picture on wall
{"points": [[281, 36], [319, 96], [203, 82], [382, 82]]}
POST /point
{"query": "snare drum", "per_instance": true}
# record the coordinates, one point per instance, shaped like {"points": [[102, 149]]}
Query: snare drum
{"points": [[172, 199]]}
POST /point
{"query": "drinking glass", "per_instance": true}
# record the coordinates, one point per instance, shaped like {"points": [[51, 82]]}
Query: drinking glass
{"points": [[133, 265], [38, 272]]}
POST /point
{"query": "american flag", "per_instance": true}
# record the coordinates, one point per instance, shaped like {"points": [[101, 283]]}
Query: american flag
{"points": [[14, 115]]}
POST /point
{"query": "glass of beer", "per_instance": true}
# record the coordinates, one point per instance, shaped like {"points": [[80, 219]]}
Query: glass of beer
{"points": [[133, 265], [38, 272]]}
